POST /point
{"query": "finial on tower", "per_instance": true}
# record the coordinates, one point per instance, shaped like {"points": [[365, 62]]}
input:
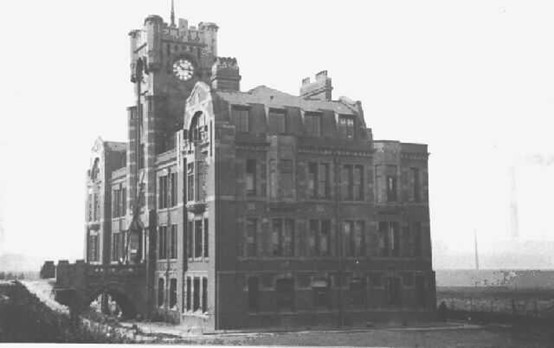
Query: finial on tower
{"points": [[172, 14]]}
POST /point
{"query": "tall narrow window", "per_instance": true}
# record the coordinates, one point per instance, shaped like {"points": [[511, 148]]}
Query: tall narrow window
{"points": [[359, 240], [189, 294], [323, 181], [96, 207], [391, 184], [172, 293], [141, 157], [162, 242], [206, 238], [173, 243], [325, 238], [115, 201], [190, 239], [288, 238], [358, 184], [240, 118], [251, 247], [162, 192], [312, 123], [393, 291], [416, 189], [347, 240], [204, 295], [421, 295], [312, 180], [197, 238], [273, 179], [173, 189], [287, 178], [253, 294], [347, 182], [277, 121], [201, 174], [276, 239], [123, 202], [389, 241], [196, 294], [161, 292], [313, 232], [251, 177], [190, 181], [384, 243], [394, 232], [417, 239], [113, 256]]}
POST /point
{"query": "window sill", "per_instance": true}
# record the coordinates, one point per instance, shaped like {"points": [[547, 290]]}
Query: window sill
{"points": [[198, 314]]}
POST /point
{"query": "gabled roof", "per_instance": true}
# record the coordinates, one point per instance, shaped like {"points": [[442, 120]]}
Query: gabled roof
{"points": [[277, 99]]}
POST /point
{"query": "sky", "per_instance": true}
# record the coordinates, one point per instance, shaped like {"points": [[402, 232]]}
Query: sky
{"points": [[474, 79]]}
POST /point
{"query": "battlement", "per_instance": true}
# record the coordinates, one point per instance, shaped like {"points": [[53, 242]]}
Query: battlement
{"points": [[157, 35]]}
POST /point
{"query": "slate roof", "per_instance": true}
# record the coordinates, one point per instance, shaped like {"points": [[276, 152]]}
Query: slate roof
{"points": [[277, 99]]}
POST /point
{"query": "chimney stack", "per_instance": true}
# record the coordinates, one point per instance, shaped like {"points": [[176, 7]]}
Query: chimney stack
{"points": [[320, 89], [226, 74]]}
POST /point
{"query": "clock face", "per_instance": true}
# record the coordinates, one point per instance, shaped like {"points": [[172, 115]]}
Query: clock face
{"points": [[183, 69]]}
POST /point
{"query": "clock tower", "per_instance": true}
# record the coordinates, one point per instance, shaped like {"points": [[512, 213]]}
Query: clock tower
{"points": [[166, 62]]}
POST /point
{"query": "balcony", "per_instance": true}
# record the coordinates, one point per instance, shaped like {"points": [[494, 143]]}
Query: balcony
{"points": [[196, 207]]}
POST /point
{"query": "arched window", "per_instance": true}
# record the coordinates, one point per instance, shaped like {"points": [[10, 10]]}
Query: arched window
{"points": [[198, 128]]}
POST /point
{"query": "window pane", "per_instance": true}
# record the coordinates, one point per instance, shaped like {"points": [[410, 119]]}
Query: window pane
{"points": [[206, 238], [313, 124], [277, 121], [325, 238], [251, 246], [251, 177], [172, 293], [161, 291], [198, 238], [276, 239], [312, 180], [204, 295]]}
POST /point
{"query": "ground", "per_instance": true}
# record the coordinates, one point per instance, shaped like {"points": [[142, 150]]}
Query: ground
{"points": [[450, 334]]}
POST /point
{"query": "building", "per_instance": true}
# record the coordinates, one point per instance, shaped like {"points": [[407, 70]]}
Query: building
{"points": [[255, 208]]}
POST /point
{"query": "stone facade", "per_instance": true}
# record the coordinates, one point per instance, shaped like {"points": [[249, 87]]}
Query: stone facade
{"points": [[256, 208]]}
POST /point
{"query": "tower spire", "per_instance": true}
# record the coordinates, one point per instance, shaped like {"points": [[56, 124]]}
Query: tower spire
{"points": [[172, 14]]}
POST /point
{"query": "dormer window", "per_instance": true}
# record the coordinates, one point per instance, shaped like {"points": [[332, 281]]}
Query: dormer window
{"points": [[277, 121], [241, 118], [346, 126], [312, 124]]}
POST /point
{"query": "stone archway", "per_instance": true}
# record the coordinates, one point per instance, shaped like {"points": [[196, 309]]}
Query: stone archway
{"points": [[125, 304]]}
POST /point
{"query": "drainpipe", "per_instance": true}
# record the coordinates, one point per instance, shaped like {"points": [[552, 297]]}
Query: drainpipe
{"points": [[339, 238]]}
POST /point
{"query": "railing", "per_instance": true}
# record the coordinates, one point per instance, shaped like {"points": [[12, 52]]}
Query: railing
{"points": [[117, 270]]}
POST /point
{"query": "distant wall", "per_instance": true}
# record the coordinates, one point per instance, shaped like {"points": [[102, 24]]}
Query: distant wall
{"points": [[516, 279]]}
